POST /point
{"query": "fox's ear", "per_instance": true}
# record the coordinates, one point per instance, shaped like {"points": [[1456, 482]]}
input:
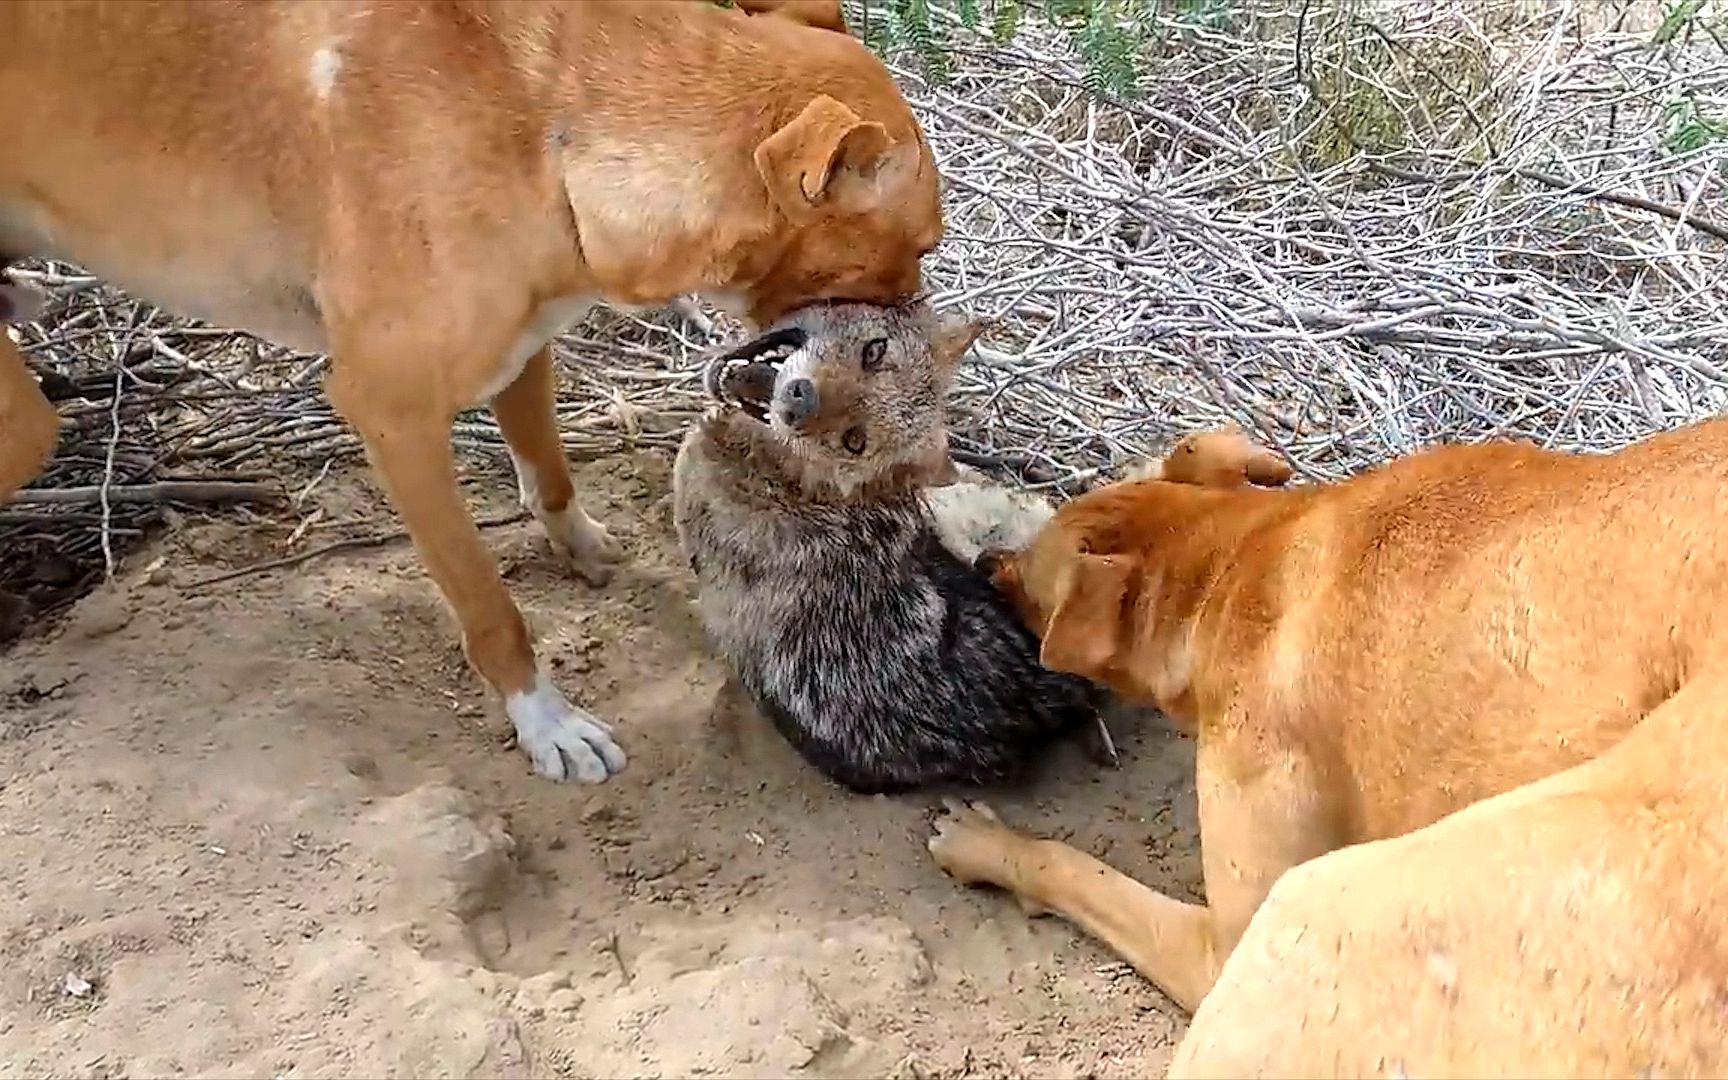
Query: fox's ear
{"points": [[935, 466], [952, 335]]}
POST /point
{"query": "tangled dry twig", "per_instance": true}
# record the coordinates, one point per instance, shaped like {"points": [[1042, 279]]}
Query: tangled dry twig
{"points": [[1354, 229]]}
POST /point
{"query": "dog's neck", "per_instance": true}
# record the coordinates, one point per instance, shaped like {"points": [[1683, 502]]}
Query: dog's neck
{"points": [[1192, 536], [634, 95]]}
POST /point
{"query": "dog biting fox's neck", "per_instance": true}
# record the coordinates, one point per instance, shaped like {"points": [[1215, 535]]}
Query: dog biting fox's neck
{"points": [[1129, 604]]}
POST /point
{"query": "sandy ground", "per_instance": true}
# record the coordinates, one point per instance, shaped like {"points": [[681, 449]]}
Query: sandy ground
{"points": [[274, 826]]}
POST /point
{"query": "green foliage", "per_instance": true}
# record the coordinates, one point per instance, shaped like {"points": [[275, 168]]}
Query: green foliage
{"points": [[1109, 35], [1370, 92], [921, 33], [1676, 17], [1689, 128]]}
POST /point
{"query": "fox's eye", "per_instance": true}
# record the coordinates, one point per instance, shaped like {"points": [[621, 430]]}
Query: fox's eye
{"points": [[874, 351]]}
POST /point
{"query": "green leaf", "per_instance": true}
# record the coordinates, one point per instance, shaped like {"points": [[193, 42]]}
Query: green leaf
{"points": [[968, 13], [1006, 21], [919, 31], [1066, 12], [1676, 18]]}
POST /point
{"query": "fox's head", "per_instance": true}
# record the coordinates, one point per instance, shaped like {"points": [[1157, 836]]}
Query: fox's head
{"points": [[854, 390]]}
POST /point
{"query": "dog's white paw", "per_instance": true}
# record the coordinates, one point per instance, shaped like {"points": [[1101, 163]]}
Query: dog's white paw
{"points": [[590, 550], [563, 742]]}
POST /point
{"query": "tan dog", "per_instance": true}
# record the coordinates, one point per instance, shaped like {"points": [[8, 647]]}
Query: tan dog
{"points": [[28, 423], [1571, 927], [430, 192], [1358, 660]]}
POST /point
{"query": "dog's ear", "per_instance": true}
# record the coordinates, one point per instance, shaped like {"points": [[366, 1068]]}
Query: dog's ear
{"points": [[1224, 458], [1084, 631], [821, 151], [952, 335], [822, 14]]}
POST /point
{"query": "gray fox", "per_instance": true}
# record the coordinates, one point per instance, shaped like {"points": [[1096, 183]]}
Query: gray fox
{"points": [[802, 502]]}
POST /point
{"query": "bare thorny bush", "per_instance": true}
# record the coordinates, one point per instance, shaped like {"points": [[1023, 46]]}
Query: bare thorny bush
{"points": [[1353, 227]]}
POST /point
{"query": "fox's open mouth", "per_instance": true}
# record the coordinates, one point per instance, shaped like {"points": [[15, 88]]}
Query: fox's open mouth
{"points": [[745, 376]]}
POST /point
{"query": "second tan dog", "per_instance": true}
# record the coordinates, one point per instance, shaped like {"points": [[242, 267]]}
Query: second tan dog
{"points": [[1358, 660], [28, 423], [1570, 927]]}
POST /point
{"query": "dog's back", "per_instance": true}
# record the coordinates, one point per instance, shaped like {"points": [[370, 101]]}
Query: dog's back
{"points": [[1528, 606], [882, 656]]}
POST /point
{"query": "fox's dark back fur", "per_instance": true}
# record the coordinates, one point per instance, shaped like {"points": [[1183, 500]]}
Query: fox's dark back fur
{"points": [[885, 659]]}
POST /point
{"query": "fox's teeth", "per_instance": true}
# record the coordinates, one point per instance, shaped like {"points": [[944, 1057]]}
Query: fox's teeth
{"points": [[776, 355]]}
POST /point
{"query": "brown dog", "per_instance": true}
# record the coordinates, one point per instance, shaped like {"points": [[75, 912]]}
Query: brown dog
{"points": [[28, 424], [1570, 927], [1358, 660], [431, 192]]}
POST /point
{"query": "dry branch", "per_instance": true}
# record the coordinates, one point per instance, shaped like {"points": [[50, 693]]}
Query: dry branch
{"points": [[1511, 244], [201, 492]]}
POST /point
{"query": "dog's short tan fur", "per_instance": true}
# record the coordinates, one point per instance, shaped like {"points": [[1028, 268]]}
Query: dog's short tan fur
{"points": [[430, 191], [1570, 927], [28, 424], [1360, 659]]}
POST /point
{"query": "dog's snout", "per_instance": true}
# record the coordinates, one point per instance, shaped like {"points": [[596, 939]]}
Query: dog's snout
{"points": [[800, 402]]}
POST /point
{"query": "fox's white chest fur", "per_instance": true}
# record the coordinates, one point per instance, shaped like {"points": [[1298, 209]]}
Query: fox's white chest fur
{"points": [[975, 514]]}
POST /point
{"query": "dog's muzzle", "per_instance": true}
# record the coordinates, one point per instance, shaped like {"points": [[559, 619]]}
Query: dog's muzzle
{"points": [[989, 561]]}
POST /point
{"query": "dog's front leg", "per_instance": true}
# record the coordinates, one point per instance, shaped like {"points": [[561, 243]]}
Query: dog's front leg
{"points": [[526, 415], [1250, 832], [1166, 940], [406, 432], [29, 424]]}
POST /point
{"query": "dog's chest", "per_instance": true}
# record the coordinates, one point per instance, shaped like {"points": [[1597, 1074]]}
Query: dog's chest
{"points": [[549, 319]]}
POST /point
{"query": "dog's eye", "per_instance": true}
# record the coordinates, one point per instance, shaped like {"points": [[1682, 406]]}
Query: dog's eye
{"points": [[854, 440], [874, 351]]}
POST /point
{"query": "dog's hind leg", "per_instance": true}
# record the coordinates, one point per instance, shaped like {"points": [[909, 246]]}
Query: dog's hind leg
{"points": [[1166, 940], [525, 414]]}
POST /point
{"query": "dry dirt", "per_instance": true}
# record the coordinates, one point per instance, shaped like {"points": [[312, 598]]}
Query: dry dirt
{"points": [[274, 826]]}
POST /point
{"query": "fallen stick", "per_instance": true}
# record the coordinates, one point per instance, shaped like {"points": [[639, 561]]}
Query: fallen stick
{"points": [[210, 492], [352, 543]]}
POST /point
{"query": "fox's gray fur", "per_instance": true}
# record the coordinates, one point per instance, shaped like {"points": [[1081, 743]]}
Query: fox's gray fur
{"points": [[885, 658]]}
